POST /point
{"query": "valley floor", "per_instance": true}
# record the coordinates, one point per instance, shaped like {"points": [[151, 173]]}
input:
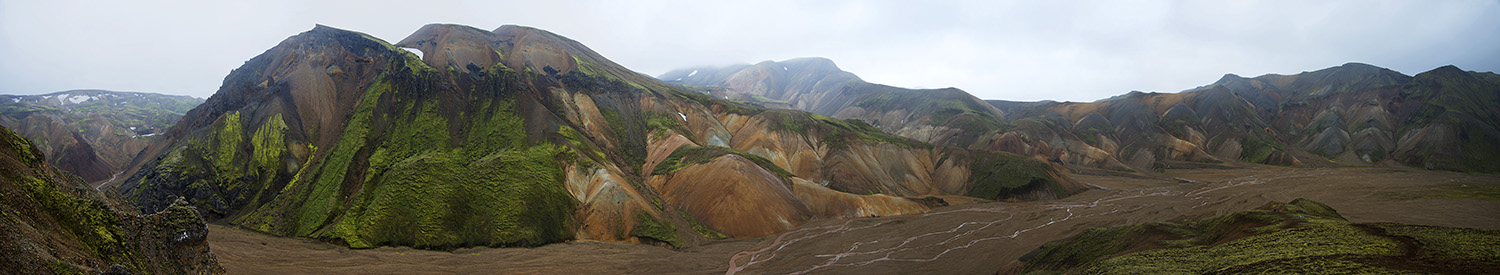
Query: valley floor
{"points": [[967, 239]]}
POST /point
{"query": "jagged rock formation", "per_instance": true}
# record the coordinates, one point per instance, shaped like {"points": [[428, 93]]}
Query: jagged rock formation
{"points": [[1301, 236], [54, 223], [519, 136], [92, 133]]}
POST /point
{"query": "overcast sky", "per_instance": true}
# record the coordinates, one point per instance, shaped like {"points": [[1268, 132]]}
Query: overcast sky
{"points": [[1031, 50]]}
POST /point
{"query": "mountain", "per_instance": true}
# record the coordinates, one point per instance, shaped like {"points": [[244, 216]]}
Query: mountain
{"points": [[947, 116], [54, 223], [92, 133], [521, 137], [1302, 236], [1354, 114]]}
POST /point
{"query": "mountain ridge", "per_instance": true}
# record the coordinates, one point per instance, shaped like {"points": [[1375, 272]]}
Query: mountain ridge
{"points": [[522, 137], [1231, 120]]}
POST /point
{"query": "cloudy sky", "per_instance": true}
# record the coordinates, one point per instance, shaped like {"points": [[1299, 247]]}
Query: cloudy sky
{"points": [[1022, 50]]}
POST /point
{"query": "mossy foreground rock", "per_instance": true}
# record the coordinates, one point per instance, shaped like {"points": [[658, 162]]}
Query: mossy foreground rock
{"points": [[1300, 237], [51, 222]]}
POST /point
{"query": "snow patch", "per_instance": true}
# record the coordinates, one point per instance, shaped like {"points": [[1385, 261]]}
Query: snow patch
{"points": [[692, 73], [783, 68], [414, 51], [79, 98], [684, 117], [17, 100], [132, 128], [147, 135]]}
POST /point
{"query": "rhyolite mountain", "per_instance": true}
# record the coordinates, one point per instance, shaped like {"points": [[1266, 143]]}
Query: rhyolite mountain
{"points": [[519, 136], [92, 133], [1354, 114], [56, 224], [946, 116]]}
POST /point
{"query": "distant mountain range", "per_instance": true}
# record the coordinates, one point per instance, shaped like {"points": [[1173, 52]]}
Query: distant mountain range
{"points": [[1354, 114], [92, 133]]}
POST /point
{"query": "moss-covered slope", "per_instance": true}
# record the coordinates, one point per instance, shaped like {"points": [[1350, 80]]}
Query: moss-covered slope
{"points": [[1301, 237], [54, 223], [512, 137]]}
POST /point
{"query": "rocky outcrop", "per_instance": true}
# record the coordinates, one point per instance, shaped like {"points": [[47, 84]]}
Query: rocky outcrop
{"points": [[54, 223]]}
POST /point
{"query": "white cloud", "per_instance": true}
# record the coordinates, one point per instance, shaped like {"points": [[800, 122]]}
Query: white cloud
{"points": [[1018, 50]]}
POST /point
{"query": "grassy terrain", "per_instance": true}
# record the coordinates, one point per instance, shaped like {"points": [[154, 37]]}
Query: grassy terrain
{"points": [[689, 155], [1302, 236], [836, 133], [1002, 174]]}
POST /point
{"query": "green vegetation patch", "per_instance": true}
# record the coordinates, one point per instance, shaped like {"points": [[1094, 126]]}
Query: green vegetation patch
{"points": [[1468, 191], [836, 133], [1451, 243], [510, 197], [428, 185], [92, 222], [700, 228], [655, 229], [1299, 237], [13, 108], [270, 144], [762, 99], [689, 155], [997, 175]]}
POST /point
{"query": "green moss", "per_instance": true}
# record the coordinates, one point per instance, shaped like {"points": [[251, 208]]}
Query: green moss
{"points": [[652, 228], [1256, 148], [1310, 239], [433, 201], [318, 209], [689, 155], [407, 59], [1299, 237], [996, 176], [1469, 191], [700, 228], [763, 99], [1451, 243], [230, 136], [837, 134], [21, 148], [270, 144], [659, 124], [16, 108], [93, 223], [595, 70]]}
